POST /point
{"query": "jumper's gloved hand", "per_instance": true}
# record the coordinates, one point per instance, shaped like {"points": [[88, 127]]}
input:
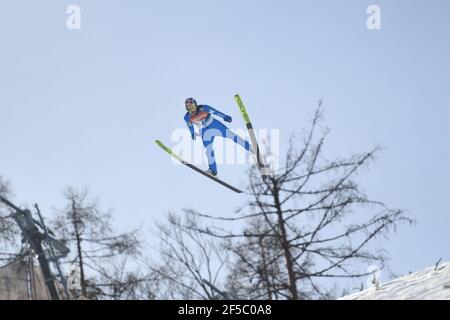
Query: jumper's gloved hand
{"points": [[193, 136], [227, 119]]}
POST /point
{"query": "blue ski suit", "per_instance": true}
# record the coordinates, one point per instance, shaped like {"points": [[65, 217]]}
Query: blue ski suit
{"points": [[211, 128]]}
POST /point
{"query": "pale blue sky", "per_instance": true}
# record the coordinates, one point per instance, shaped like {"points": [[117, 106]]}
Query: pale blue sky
{"points": [[82, 108]]}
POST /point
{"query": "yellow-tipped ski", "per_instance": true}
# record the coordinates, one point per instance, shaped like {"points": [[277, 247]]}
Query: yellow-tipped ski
{"points": [[167, 149], [242, 109], [187, 164], [265, 172]]}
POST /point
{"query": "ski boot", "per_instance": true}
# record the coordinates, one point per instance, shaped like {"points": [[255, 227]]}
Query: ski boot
{"points": [[211, 173]]}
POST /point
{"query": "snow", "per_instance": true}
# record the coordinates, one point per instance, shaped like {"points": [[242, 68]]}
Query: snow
{"points": [[430, 284]]}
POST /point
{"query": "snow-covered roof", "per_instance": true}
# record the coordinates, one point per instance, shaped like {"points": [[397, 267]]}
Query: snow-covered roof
{"points": [[432, 283], [21, 280]]}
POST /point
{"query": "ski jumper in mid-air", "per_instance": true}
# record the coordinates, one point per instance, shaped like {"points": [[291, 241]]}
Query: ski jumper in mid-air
{"points": [[202, 117]]}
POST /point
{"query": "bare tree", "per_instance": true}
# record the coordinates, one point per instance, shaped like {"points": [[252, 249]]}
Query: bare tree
{"points": [[96, 249], [190, 262], [117, 280], [307, 222], [9, 241], [256, 272]]}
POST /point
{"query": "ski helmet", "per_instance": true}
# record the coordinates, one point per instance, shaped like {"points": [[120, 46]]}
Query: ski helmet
{"points": [[190, 102]]}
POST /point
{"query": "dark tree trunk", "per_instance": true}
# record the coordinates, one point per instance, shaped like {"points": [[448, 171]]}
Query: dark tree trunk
{"points": [[285, 243], [75, 222]]}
